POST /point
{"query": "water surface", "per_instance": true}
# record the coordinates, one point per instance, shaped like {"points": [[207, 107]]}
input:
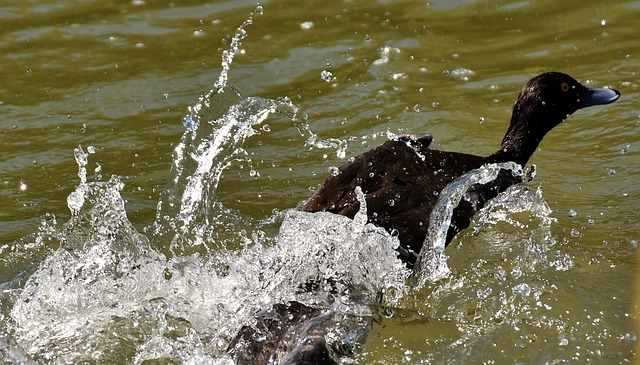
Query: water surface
{"points": [[120, 76]]}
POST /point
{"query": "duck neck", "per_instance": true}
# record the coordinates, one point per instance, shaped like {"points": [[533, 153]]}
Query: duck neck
{"points": [[522, 137]]}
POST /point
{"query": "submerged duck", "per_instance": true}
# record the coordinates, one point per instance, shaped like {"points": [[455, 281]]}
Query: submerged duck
{"points": [[403, 177], [290, 333]]}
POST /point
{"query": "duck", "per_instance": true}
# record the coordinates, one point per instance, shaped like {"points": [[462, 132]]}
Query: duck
{"points": [[403, 177], [412, 175]]}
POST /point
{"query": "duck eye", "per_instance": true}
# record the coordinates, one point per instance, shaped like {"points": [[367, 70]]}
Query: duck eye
{"points": [[565, 87]]}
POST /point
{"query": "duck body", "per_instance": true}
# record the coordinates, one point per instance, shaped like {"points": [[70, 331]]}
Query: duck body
{"points": [[402, 179]]}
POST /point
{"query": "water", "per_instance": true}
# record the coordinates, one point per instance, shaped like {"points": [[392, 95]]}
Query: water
{"points": [[431, 264], [115, 278], [106, 293]]}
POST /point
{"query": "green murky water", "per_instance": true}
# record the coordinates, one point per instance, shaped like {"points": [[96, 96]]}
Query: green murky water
{"points": [[119, 76]]}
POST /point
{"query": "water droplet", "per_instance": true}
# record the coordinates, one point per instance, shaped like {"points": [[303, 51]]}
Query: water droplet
{"points": [[367, 38], [334, 171], [91, 149], [98, 171], [563, 342], [575, 233], [326, 75], [306, 25], [23, 186], [603, 22], [190, 123], [29, 72], [259, 10], [435, 104], [611, 172], [516, 272], [481, 120], [462, 74], [483, 293], [625, 150], [572, 213], [75, 200], [254, 174], [629, 337], [500, 273], [523, 289], [391, 202]]}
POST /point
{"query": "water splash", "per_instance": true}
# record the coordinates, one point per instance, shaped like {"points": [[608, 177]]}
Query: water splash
{"points": [[188, 210], [110, 294], [301, 121], [90, 282], [82, 159], [502, 208], [431, 264], [503, 282], [106, 294], [189, 214], [228, 54]]}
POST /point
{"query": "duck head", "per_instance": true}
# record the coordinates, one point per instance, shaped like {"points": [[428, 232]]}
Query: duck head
{"points": [[543, 103]]}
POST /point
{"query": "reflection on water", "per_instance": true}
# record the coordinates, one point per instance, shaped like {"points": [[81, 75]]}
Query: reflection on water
{"points": [[520, 288]]}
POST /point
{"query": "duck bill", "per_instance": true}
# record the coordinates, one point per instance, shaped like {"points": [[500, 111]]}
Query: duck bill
{"points": [[599, 96]]}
